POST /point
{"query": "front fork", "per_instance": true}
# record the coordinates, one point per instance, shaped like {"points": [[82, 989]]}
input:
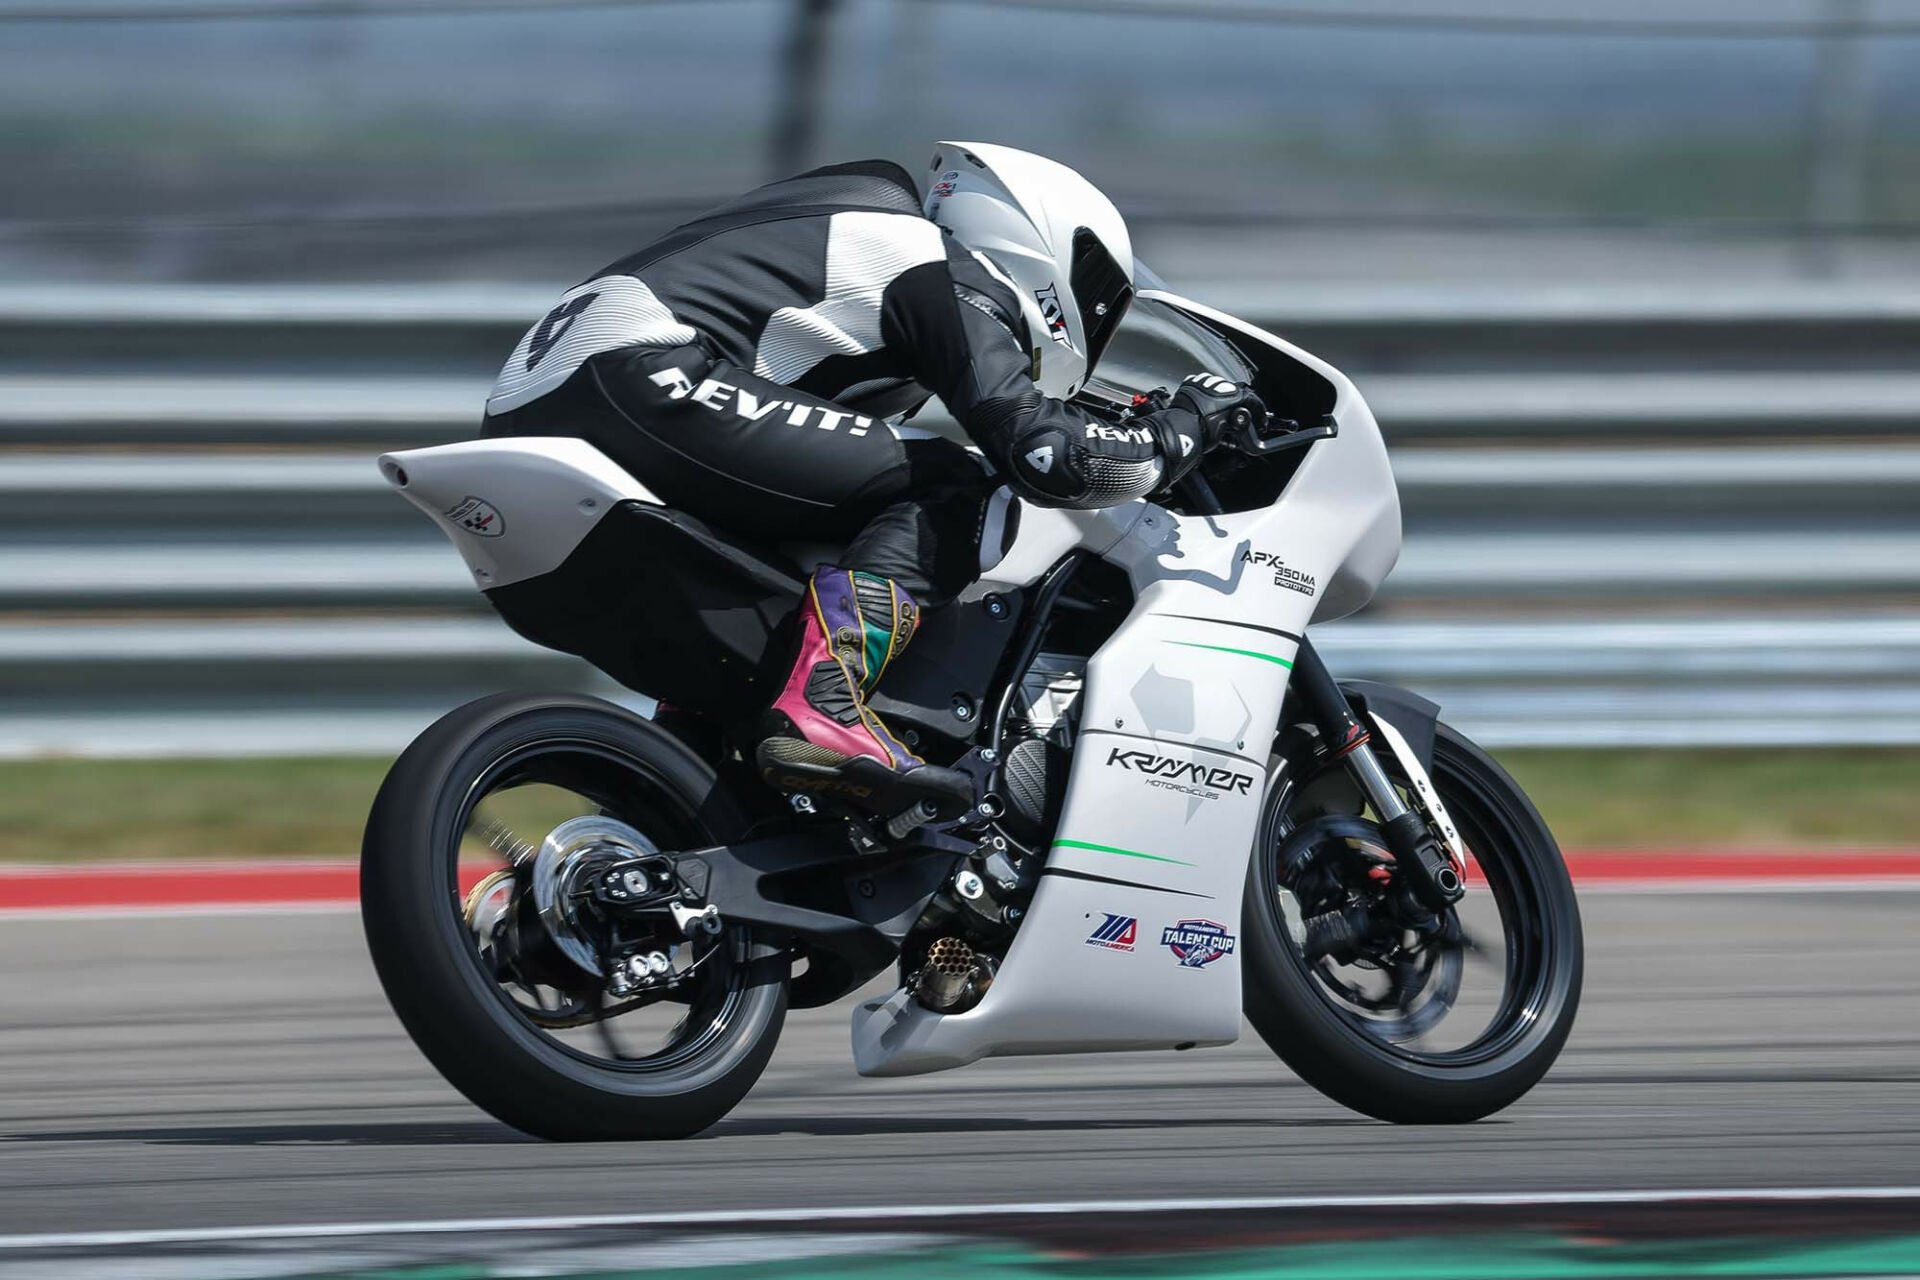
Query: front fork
{"points": [[1424, 845]]}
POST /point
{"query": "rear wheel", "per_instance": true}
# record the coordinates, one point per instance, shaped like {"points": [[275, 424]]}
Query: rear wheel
{"points": [[473, 873], [1441, 1020]]}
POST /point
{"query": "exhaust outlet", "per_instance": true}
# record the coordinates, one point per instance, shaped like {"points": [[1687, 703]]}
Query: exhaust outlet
{"points": [[954, 977]]}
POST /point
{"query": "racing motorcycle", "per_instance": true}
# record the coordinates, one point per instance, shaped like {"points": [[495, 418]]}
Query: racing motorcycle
{"points": [[593, 921]]}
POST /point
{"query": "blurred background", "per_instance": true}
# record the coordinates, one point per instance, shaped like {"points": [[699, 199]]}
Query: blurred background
{"points": [[1634, 290]]}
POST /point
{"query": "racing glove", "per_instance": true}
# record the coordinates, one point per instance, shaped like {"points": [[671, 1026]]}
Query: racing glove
{"points": [[1216, 402], [1193, 420]]}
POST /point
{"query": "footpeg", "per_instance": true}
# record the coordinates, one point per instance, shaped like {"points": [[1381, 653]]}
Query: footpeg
{"points": [[793, 765], [905, 823]]}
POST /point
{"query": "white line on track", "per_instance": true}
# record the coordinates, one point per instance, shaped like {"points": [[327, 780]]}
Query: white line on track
{"points": [[866, 1213], [1808, 886]]}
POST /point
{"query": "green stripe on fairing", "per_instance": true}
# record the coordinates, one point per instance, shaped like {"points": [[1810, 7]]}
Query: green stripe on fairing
{"points": [[1125, 853], [1512, 1256], [1245, 653]]}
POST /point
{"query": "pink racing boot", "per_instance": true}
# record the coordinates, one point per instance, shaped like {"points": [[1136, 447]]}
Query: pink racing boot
{"points": [[821, 735]]}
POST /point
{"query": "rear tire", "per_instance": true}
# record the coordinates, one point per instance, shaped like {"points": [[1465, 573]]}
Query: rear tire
{"points": [[456, 1013], [1300, 1020]]}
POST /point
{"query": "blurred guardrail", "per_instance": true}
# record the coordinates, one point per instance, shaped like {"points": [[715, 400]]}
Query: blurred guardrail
{"points": [[1683, 517]]}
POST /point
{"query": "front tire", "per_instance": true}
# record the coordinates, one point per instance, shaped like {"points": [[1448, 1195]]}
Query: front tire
{"points": [[1376, 1065], [435, 975]]}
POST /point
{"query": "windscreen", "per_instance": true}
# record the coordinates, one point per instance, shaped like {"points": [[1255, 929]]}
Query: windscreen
{"points": [[1155, 345]]}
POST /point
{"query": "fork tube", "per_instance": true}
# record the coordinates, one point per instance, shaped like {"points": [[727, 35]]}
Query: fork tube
{"points": [[1422, 865], [1373, 780], [1336, 720]]}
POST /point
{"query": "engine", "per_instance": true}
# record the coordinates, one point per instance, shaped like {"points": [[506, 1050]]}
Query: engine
{"points": [[956, 947], [1040, 739]]}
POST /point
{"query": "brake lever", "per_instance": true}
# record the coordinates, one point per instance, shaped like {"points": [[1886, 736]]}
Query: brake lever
{"points": [[1248, 440]]}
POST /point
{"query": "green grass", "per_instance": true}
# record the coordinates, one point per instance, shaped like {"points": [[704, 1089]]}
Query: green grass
{"points": [[1703, 799], [70, 810]]}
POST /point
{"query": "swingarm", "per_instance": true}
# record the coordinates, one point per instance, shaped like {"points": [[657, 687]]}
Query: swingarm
{"points": [[846, 912]]}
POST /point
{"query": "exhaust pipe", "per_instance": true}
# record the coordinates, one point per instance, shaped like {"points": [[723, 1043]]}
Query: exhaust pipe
{"points": [[954, 978]]}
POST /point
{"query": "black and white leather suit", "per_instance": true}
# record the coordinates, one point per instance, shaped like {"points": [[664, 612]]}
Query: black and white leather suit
{"points": [[752, 368]]}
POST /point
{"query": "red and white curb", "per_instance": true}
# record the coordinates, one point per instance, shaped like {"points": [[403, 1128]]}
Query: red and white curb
{"points": [[1810, 870], [240, 885], [264, 885]]}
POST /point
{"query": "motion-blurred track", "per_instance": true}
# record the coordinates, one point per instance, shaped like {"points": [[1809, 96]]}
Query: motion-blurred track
{"points": [[212, 1070]]}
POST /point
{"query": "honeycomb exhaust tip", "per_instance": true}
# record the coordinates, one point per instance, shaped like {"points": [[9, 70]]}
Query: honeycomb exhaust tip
{"points": [[953, 977]]}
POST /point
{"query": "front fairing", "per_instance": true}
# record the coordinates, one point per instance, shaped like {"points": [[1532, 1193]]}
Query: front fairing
{"points": [[1176, 720], [1346, 481], [1178, 710]]}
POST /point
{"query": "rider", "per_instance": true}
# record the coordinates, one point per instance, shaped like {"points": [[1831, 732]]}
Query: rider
{"points": [[753, 368]]}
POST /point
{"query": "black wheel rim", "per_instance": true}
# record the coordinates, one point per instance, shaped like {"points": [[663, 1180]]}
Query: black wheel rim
{"points": [[533, 783], [1505, 938]]}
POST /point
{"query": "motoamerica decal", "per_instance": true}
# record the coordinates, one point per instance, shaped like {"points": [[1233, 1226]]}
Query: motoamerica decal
{"points": [[1292, 579], [1115, 933], [1197, 943], [1189, 777], [478, 517]]}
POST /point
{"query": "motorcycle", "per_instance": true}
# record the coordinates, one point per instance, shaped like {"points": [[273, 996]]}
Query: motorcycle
{"points": [[593, 921]]}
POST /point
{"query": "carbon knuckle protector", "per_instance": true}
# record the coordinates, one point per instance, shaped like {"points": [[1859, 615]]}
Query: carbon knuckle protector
{"points": [[1214, 384], [1214, 400], [1208, 394]]}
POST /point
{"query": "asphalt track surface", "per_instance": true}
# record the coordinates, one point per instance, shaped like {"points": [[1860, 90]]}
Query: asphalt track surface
{"points": [[215, 1070]]}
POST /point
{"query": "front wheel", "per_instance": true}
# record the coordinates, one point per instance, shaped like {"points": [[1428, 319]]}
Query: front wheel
{"points": [[496, 959], [1420, 1021]]}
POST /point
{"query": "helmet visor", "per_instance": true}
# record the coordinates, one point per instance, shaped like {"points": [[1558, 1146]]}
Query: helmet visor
{"points": [[1100, 290]]}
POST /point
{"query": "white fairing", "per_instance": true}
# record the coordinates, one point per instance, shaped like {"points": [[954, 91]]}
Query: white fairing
{"points": [[514, 508], [1180, 706], [1177, 714]]}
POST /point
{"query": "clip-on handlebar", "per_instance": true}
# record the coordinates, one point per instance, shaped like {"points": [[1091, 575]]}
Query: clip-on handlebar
{"points": [[1245, 436], [1261, 439]]}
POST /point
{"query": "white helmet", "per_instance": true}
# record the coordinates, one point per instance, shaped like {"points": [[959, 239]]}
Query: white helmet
{"points": [[1052, 236]]}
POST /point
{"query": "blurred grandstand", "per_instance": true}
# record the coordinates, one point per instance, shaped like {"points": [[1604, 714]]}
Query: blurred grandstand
{"points": [[1634, 294]]}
